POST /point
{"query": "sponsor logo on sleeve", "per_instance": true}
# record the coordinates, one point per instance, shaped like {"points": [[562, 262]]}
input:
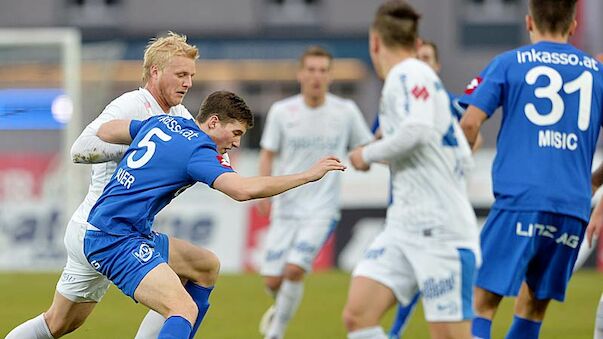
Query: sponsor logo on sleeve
{"points": [[420, 92], [224, 160], [473, 85]]}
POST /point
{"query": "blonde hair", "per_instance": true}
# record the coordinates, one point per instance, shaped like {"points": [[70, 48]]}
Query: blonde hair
{"points": [[161, 50]]}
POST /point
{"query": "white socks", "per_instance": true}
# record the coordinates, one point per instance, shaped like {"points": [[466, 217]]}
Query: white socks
{"points": [[287, 301], [150, 326], [368, 333], [35, 328], [599, 320]]}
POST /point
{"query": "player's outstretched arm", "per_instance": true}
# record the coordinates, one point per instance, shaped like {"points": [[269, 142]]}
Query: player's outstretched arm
{"points": [[471, 122], [88, 148], [115, 132], [243, 189]]}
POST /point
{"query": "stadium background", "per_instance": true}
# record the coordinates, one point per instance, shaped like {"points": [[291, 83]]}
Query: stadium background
{"points": [[247, 46]]}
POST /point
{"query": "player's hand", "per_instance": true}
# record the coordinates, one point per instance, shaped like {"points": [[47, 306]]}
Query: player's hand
{"points": [[324, 165], [264, 206], [357, 160]]}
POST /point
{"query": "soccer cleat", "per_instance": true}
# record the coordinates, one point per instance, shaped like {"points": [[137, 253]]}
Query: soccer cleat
{"points": [[267, 320]]}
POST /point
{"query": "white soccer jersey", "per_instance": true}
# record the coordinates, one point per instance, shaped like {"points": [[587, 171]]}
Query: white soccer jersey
{"points": [[429, 193], [302, 135], [139, 105]]}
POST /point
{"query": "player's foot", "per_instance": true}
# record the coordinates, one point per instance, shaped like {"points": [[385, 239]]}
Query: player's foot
{"points": [[267, 320]]}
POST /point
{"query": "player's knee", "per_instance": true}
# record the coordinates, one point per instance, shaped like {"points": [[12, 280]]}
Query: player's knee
{"points": [[352, 318], [294, 272], [213, 268], [184, 307], [273, 283], [60, 326]]}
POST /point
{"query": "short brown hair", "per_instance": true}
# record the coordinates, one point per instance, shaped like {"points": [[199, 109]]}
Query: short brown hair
{"points": [[161, 50], [433, 46], [397, 23], [553, 16], [315, 51], [227, 106]]}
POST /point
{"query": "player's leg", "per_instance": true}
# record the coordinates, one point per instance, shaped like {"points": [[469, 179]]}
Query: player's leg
{"points": [[63, 316], [309, 239], [549, 271], [279, 240], [599, 320], [529, 313], [198, 269], [162, 291], [403, 313], [383, 276], [505, 256], [367, 301], [78, 291], [446, 276]]}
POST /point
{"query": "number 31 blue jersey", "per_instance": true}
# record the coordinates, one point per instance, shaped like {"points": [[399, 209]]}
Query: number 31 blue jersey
{"points": [[552, 99], [167, 155]]}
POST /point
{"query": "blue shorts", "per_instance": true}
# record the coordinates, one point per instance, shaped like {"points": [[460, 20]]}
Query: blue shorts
{"points": [[539, 248], [125, 259]]}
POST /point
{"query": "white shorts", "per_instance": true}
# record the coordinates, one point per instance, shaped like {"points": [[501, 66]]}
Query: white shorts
{"points": [[294, 241], [405, 264], [80, 282]]}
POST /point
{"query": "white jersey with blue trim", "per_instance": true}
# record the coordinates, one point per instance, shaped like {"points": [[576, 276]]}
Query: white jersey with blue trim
{"points": [[138, 104], [428, 186], [302, 135], [167, 155], [552, 99]]}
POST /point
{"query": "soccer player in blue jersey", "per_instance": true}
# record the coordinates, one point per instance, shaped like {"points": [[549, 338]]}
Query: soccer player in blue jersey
{"points": [[551, 96], [167, 155]]}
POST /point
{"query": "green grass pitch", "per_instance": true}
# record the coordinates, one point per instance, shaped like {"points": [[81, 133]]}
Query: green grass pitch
{"points": [[239, 301]]}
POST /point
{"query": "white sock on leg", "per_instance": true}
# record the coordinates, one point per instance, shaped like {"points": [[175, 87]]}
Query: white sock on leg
{"points": [[599, 320], [368, 333], [35, 328], [150, 326], [287, 301]]}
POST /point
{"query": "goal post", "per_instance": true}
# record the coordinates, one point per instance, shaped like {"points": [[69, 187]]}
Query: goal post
{"points": [[40, 117]]}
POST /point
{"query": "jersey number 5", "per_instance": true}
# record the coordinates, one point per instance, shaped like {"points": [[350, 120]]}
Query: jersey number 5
{"points": [[150, 148], [583, 83]]}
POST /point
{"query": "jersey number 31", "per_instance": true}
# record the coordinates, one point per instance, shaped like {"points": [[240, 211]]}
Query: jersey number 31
{"points": [[583, 83]]}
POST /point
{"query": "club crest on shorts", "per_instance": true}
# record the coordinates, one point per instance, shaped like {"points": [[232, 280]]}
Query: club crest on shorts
{"points": [[144, 253]]}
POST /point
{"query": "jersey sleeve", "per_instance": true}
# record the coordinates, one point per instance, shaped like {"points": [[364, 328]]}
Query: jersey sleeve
{"points": [[206, 165], [271, 137], [135, 126], [486, 91], [89, 148], [360, 133], [412, 97]]}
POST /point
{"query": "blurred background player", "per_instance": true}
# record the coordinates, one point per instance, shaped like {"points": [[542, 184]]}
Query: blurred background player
{"points": [[298, 131], [428, 53], [551, 94], [168, 69], [430, 237]]}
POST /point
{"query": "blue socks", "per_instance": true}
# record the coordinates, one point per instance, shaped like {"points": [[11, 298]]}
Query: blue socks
{"points": [[402, 316], [481, 327], [200, 296], [524, 329], [175, 327]]}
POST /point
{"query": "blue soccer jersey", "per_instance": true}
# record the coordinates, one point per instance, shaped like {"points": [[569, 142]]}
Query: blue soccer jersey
{"points": [[167, 155], [552, 97]]}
